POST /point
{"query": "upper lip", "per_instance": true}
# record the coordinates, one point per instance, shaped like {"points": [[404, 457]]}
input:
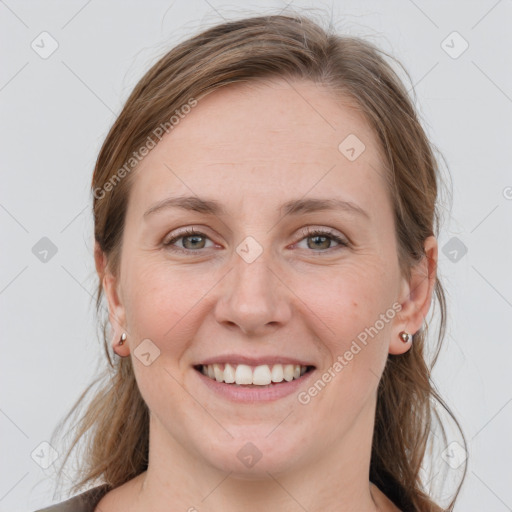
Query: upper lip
{"points": [[253, 361]]}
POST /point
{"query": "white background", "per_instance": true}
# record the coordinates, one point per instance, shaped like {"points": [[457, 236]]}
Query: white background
{"points": [[55, 113]]}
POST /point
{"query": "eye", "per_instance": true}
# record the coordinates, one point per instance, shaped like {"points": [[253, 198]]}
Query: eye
{"points": [[322, 239], [191, 240]]}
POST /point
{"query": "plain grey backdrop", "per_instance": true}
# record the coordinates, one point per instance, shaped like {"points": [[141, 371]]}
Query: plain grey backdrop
{"points": [[66, 70]]}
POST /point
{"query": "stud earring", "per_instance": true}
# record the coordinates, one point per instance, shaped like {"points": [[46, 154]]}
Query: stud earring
{"points": [[405, 337], [122, 339]]}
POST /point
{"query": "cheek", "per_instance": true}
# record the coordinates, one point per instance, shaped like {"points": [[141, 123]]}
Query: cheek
{"points": [[159, 300], [349, 304], [160, 306], [353, 295]]}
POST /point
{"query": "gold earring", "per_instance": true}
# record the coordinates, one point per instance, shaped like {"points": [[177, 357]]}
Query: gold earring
{"points": [[122, 339], [405, 337]]}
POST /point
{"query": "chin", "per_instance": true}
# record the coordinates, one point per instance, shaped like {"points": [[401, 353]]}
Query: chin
{"points": [[251, 457]]}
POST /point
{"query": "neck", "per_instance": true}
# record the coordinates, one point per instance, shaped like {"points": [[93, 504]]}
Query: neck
{"points": [[337, 478]]}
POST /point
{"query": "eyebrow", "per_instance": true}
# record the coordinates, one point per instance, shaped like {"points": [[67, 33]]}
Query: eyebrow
{"points": [[311, 205], [293, 207], [190, 203]]}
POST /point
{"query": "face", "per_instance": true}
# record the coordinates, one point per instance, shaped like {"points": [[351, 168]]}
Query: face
{"points": [[263, 281]]}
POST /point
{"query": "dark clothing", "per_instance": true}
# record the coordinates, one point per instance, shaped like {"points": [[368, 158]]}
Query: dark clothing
{"points": [[84, 502]]}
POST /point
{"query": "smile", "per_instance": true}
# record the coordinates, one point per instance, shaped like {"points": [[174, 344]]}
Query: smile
{"points": [[261, 375]]}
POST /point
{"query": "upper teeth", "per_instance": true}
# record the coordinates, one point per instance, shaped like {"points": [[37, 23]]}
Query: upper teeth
{"points": [[259, 375]]}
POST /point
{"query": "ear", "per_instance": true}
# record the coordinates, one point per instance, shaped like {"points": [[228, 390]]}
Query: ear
{"points": [[116, 311], [416, 297]]}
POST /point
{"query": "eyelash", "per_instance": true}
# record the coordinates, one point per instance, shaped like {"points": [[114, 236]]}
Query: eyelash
{"points": [[305, 233]]}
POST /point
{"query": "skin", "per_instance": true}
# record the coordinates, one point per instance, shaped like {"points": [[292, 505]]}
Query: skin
{"points": [[253, 147]]}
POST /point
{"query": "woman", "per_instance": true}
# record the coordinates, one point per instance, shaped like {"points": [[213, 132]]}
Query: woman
{"points": [[265, 225]]}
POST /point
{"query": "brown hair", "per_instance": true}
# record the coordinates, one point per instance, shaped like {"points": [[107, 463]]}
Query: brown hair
{"points": [[115, 425]]}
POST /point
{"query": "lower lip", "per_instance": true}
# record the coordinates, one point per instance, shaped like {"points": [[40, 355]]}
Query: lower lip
{"points": [[249, 394]]}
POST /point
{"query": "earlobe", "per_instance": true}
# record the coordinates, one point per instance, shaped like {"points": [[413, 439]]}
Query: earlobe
{"points": [[118, 345], [402, 343], [416, 298]]}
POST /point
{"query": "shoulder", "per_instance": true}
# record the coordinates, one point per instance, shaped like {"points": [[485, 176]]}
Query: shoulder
{"points": [[84, 502]]}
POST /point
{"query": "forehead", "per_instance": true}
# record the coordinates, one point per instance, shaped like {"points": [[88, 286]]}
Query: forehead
{"points": [[278, 140]]}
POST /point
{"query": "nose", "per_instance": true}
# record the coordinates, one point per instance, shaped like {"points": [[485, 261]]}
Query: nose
{"points": [[254, 298]]}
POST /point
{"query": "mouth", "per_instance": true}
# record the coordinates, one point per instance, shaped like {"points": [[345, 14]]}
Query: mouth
{"points": [[249, 376]]}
